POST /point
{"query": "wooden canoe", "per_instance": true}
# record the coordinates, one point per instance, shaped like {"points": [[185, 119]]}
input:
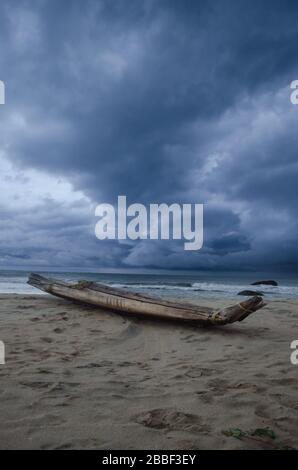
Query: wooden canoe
{"points": [[129, 303]]}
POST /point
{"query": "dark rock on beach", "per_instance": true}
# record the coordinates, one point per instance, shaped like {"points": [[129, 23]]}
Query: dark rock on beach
{"points": [[250, 292], [265, 283]]}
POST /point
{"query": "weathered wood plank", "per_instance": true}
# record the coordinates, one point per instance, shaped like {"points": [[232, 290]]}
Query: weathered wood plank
{"points": [[131, 303]]}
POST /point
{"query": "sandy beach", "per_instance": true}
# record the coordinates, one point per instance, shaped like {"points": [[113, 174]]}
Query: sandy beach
{"points": [[77, 377]]}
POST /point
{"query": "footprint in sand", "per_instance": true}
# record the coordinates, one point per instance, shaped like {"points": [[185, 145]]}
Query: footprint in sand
{"points": [[40, 421], [187, 338], [46, 339], [91, 365], [44, 371], [205, 397], [36, 384], [59, 330], [29, 350], [218, 386], [130, 331], [244, 386], [170, 419], [196, 372], [63, 386], [66, 446], [286, 381], [262, 413]]}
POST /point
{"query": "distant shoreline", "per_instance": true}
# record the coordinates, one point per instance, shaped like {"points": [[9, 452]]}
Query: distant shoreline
{"points": [[192, 286]]}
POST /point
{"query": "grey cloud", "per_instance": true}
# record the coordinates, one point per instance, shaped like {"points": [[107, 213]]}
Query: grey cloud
{"points": [[162, 103]]}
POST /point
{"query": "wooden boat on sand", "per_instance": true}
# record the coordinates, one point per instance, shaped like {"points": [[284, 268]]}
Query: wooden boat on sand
{"points": [[129, 303]]}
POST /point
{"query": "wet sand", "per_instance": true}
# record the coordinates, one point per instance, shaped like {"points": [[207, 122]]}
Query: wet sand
{"points": [[80, 378]]}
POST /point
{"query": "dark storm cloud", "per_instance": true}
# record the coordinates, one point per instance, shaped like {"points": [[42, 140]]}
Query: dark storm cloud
{"points": [[163, 101]]}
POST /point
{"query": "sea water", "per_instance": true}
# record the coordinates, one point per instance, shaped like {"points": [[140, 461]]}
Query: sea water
{"points": [[186, 285]]}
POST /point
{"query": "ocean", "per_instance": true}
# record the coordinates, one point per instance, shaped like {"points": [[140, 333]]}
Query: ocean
{"points": [[191, 286]]}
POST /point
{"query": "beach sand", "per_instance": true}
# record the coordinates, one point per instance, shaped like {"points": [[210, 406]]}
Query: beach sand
{"points": [[78, 377]]}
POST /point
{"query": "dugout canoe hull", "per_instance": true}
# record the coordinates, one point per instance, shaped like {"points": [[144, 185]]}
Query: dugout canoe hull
{"points": [[130, 303]]}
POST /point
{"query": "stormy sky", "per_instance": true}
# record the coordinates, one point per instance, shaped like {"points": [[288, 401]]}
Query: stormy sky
{"points": [[161, 101]]}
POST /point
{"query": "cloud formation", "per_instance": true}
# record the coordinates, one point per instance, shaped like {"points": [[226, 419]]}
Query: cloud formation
{"points": [[162, 102]]}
